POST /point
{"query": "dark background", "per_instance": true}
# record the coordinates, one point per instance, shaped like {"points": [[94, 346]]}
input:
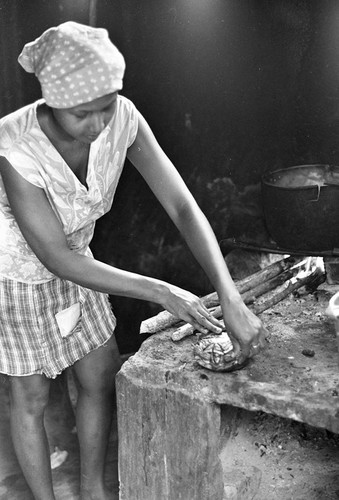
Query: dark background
{"points": [[231, 88]]}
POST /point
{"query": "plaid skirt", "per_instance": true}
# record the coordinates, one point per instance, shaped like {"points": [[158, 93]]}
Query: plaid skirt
{"points": [[46, 327]]}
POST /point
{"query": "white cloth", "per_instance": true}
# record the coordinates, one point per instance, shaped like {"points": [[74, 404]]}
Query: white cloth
{"points": [[74, 64]]}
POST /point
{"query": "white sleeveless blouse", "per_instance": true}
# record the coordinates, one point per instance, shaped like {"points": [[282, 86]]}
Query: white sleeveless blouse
{"points": [[31, 153]]}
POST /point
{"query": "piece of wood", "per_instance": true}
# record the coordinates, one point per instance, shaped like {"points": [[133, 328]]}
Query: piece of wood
{"points": [[312, 280], [281, 286], [232, 244], [248, 297], [258, 278], [165, 319]]}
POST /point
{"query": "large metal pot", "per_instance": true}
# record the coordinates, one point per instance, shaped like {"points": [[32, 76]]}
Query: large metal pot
{"points": [[301, 207]]}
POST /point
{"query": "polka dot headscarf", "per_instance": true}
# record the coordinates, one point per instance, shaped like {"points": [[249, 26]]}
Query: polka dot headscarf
{"points": [[74, 64]]}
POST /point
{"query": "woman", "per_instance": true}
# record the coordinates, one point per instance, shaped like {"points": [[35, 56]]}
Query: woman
{"points": [[60, 161]]}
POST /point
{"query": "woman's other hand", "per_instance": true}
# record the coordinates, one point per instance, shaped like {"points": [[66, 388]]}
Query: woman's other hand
{"points": [[245, 329]]}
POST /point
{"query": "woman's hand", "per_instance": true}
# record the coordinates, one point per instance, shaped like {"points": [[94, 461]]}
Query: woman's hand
{"points": [[188, 307], [244, 328]]}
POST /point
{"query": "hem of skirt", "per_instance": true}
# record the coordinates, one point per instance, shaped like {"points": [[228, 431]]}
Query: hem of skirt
{"points": [[42, 372]]}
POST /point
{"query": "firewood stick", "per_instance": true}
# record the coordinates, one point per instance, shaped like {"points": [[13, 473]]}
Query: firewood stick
{"points": [[312, 280], [248, 297], [256, 278], [281, 288], [267, 273], [164, 319], [251, 295]]}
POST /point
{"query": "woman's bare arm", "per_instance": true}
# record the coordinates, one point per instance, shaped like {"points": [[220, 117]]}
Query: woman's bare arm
{"points": [[166, 183], [44, 234]]}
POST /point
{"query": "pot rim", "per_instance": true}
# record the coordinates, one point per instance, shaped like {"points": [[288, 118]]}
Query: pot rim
{"points": [[265, 178]]}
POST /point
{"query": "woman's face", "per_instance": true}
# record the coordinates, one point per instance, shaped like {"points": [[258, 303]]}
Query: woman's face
{"points": [[85, 122]]}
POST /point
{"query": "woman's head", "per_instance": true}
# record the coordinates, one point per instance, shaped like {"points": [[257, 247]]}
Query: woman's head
{"points": [[74, 64], [86, 121]]}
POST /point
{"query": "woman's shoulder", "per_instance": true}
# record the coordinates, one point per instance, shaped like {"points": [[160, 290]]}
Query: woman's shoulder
{"points": [[125, 106], [16, 124], [19, 142], [124, 123]]}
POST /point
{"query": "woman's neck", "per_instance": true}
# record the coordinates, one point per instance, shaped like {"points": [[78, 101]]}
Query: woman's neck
{"points": [[51, 127]]}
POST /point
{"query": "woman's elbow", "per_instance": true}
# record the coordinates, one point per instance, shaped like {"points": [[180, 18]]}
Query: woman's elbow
{"points": [[56, 263]]}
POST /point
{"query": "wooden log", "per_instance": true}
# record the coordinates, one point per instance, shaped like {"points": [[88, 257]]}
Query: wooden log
{"points": [[281, 285], [232, 244], [165, 319], [256, 279], [311, 280], [248, 297]]}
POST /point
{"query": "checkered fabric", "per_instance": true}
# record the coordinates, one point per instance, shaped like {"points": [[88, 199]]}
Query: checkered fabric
{"points": [[30, 340]]}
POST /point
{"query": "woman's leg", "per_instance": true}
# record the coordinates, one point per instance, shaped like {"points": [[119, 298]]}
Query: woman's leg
{"points": [[96, 375], [28, 400]]}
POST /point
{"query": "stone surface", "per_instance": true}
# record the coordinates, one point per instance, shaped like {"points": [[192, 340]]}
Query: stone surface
{"points": [[332, 270], [169, 407], [159, 431]]}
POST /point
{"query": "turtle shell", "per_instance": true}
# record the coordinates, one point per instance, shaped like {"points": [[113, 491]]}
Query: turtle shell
{"points": [[215, 352]]}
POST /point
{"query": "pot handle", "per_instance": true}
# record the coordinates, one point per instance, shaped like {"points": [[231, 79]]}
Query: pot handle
{"points": [[318, 193]]}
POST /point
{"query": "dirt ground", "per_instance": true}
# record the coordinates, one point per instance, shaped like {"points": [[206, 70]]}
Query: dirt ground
{"points": [[297, 461]]}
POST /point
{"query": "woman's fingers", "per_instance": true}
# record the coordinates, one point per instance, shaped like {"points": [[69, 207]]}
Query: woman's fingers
{"points": [[249, 350], [205, 322], [190, 309], [245, 330], [260, 341]]}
